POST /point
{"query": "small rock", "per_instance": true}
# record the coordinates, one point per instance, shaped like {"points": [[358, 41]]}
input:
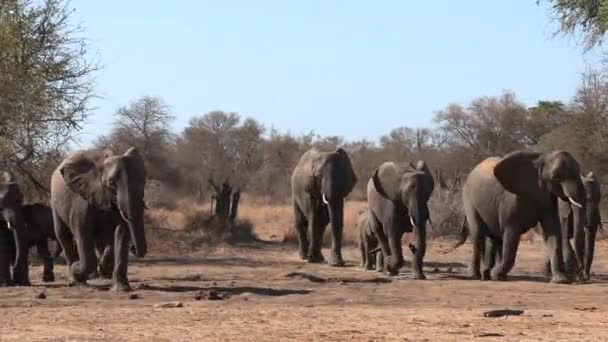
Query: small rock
{"points": [[41, 295], [211, 295], [547, 315], [591, 309], [134, 296], [169, 305]]}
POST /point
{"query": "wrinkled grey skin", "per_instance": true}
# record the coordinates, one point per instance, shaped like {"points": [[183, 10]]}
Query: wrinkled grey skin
{"points": [[584, 239], [11, 200], [371, 259], [319, 183], [398, 201], [94, 195], [38, 220], [505, 197]]}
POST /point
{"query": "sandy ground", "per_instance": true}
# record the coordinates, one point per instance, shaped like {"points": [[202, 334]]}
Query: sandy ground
{"points": [[269, 294]]}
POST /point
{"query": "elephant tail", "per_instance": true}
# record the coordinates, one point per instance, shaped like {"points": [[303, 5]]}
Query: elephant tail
{"points": [[464, 234]]}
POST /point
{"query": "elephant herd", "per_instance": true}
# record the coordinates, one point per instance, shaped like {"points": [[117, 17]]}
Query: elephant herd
{"points": [[503, 198], [96, 216], [97, 205]]}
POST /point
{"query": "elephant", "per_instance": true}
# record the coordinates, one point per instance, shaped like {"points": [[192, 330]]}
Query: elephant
{"points": [[584, 240], [11, 201], [96, 194], [319, 183], [38, 219], [398, 198], [505, 197], [368, 243]]}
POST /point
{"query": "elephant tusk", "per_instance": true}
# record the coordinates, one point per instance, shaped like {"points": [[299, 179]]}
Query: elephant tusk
{"points": [[8, 224], [412, 222], [575, 202], [324, 198]]}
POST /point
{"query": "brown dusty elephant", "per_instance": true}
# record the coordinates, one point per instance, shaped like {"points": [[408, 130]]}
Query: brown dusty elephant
{"points": [[371, 258], [397, 197], [584, 239], [95, 194], [319, 183], [11, 201], [505, 197]]}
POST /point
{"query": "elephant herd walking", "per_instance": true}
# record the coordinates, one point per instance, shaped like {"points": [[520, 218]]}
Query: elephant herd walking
{"points": [[503, 198], [96, 214]]}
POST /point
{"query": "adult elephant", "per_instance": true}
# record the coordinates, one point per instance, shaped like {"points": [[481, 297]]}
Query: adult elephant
{"points": [[11, 200], [398, 198], [505, 197], [584, 239], [95, 193], [319, 184]]}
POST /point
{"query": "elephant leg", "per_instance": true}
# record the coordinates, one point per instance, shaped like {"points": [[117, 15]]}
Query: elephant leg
{"points": [[576, 266], [589, 251], [7, 256], [20, 268], [65, 239], [420, 243], [475, 226], [490, 256], [87, 263], [553, 243], [122, 244], [316, 227], [379, 262], [510, 244], [106, 262], [396, 257], [301, 226], [570, 257], [363, 249], [335, 218], [42, 248]]}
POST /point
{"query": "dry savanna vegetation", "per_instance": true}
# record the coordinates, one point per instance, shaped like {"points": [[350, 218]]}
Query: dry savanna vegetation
{"points": [[208, 279]]}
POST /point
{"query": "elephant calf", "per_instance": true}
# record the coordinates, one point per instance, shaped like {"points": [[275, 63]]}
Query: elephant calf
{"points": [[371, 258], [39, 230]]}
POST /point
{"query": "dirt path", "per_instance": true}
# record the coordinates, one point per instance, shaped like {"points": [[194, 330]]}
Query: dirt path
{"points": [[268, 294]]}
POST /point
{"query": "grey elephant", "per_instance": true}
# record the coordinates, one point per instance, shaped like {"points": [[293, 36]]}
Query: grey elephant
{"points": [[96, 194], [371, 257], [584, 239], [11, 201], [38, 219], [398, 198], [319, 183], [505, 197]]}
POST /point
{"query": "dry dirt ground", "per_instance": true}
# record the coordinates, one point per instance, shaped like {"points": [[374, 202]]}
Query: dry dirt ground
{"points": [[269, 294]]}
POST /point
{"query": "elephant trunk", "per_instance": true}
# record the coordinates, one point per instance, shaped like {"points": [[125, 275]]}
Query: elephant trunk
{"points": [[131, 210]]}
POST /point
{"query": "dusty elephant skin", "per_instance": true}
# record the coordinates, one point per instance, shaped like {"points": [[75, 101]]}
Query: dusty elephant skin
{"points": [[319, 183], [583, 233], [11, 200], [505, 197], [371, 258], [94, 195], [398, 202]]}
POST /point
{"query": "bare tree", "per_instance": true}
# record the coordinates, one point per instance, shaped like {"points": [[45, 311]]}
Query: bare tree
{"points": [[45, 83]]}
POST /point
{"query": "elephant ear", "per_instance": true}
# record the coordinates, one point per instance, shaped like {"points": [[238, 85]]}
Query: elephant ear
{"points": [[349, 177], [519, 172], [386, 180], [10, 192], [429, 183], [82, 173]]}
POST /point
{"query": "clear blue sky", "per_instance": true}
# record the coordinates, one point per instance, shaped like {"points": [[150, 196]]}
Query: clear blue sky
{"points": [[341, 67]]}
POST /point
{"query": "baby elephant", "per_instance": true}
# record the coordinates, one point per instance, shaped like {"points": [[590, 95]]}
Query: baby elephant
{"points": [[371, 256]]}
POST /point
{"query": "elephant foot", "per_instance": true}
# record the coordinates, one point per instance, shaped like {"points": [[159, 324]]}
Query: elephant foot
{"points": [[585, 277], [560, 278], [498, 276], [76, 283], [486, 275], [23, 283], [303, 255], [336, 260], [419, 276], [547, 271], [120, 287], [369, 267], [48, 278], [6, 283], [316, 259], [475, 275]]}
